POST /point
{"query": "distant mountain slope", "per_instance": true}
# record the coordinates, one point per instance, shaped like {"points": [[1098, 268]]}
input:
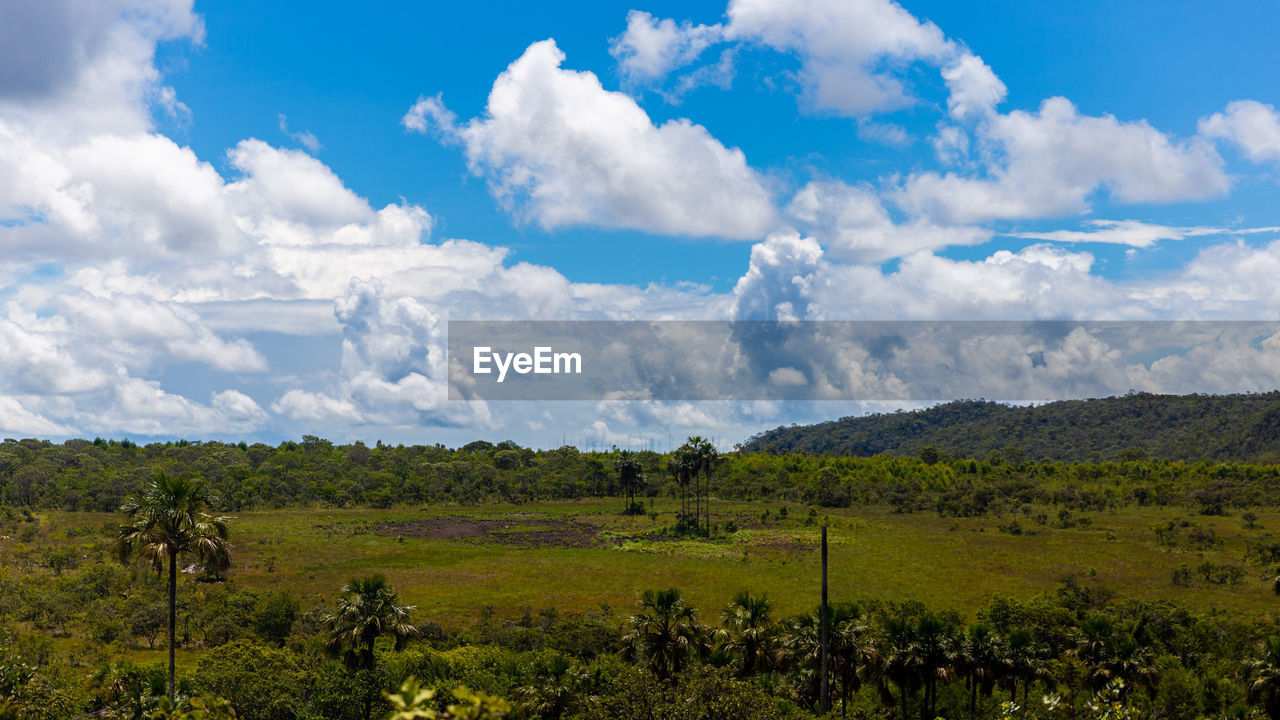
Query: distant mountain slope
{"points": [[1176, 427]]}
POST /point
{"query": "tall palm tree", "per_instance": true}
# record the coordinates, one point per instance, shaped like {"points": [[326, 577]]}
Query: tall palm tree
{"points": [[169, 518], [630, 475], [369, 608], [1264, 677], [682, 466], [749, 631], [665, 632], [705, 458]]}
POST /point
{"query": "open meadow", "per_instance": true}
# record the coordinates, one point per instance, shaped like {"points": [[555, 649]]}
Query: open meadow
{"points": [[453, 561]]}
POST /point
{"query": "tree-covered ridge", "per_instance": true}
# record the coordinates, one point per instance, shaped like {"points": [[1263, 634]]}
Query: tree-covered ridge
{"points": [[1241, 428]]}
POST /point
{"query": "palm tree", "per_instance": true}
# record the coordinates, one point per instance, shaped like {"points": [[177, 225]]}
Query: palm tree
{"points": [[369, 609], [630, 475], [1264, 677], [1023, 663], [682, 467], [169, 519], [749, 631], [935, 651], [903, 664], [852, 650], [705, 458], [984, 660], [1094, 649], [554, 692], [665, 632]]}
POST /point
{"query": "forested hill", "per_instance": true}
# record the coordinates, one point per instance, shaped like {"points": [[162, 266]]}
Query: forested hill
{"points": [[1190, 427]]}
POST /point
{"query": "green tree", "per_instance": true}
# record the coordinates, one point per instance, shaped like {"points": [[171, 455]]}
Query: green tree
{"points": [[369, 608], [1264, 677], [683, 468], [665, 632], [259, 683], [168, 519], [749, 631], [703, 458], [630, 476]]}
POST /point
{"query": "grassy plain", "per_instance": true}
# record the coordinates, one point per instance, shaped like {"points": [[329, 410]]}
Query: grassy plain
{"points": [[454, 561]]}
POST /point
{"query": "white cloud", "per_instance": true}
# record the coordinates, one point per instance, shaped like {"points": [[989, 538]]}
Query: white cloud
{"points": [[883, 133], [1250, 125], [560, 150], [291, 186], [854, 225], [1134, 233], [776, 285], [649, 49], [316, 407], [305, 138], [143, 407], [975, 89], [1051, 162], [428, 113], [68, 66], [848, 48], [17, 420]]}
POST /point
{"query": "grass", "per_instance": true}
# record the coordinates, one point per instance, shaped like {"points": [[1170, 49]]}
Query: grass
{"points": [[874, 553]]}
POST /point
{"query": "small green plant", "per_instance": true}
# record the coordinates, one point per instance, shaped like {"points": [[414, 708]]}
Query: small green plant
{"points": [[413, 702]]}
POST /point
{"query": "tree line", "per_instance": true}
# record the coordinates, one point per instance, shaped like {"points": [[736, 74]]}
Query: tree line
{"points": [[98, 475]]}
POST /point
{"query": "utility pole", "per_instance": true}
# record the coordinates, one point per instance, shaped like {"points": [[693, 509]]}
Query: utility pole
{"points": [[824, 703]]}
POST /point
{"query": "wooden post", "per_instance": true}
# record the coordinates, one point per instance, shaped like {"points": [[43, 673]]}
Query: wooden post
{"points": [[824, 703]]}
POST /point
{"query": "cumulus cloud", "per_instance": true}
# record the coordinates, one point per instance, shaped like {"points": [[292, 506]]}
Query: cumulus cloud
{"points": [[17, 420], [791, 278], [650, 48], [142, 407], [847, 49], [1250, 125], [317, 407], [68, 66], [854, 225], [975, 89], [776, 285], [1050, 163], [560, 150]]}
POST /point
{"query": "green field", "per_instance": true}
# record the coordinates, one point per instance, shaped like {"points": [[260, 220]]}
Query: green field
{"points": [[453, 561]]}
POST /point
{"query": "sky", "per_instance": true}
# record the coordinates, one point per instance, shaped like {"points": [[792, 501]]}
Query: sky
{"points": [[242, 220]]}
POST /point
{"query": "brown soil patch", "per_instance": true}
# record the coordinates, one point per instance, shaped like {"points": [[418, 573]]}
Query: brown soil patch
{"points": [[517, 532]]}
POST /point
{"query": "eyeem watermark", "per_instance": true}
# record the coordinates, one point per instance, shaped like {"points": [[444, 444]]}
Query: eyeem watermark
{"points": [[856, 360], [543, 361]]}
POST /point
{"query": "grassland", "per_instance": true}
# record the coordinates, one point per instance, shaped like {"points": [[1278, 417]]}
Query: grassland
{"points": [[454, 561]]}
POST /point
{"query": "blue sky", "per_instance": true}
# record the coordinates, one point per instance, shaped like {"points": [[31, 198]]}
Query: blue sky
{"points": [[253, 220], [348, 78]]}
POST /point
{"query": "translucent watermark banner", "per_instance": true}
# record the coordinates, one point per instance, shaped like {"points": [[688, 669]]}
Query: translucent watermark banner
{"points": [[858, 360]]}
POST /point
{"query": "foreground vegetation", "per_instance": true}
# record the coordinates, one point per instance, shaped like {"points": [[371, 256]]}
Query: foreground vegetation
{"points": [[314, 581]]}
